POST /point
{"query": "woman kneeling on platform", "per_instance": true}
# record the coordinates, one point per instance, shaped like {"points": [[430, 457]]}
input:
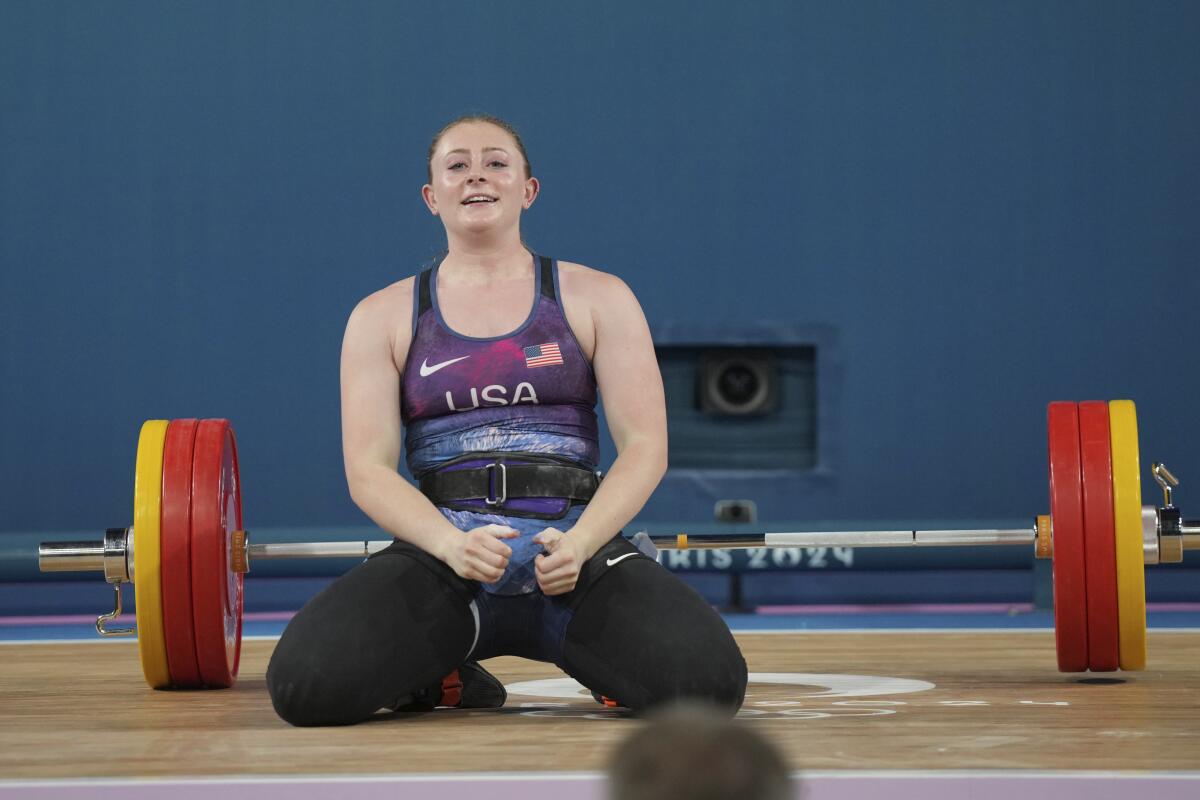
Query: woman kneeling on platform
{"points": [[490, 363]]}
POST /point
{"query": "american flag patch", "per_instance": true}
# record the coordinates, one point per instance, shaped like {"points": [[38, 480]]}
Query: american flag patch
{"points": [[543, 355]]}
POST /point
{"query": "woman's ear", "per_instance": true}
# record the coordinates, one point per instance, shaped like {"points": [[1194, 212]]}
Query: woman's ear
{"points": [[532, 187], [430, 200]]}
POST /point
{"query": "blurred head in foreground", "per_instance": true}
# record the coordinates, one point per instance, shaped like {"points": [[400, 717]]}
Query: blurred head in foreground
{"points": [[694, 753]]}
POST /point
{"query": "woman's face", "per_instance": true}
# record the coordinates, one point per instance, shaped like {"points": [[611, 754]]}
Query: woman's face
{"points": [[479, 182]]}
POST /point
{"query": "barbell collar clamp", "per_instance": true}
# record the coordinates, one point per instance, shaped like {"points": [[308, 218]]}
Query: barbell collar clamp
{"points": [[1170, 535], [239, 552], [103, 620], [118, 555], [1168, 482], [1151, 536]]}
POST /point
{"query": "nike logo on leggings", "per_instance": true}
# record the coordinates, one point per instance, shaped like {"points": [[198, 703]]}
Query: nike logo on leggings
{"points": [[612, 561]]}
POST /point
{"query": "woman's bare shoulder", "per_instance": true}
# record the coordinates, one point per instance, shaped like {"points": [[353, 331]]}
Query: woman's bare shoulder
{"points": [[389, 303], [598, 289], [386, 314], [589, 282]]}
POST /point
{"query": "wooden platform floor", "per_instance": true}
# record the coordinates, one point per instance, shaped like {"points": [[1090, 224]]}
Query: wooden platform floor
{"points": [[996, 702]]}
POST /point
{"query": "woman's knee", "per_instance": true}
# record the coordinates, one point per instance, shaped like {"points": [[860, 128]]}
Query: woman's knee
{"points": [[661, 674], [651, 640], [306, 685], [300, 699], [385, 629], [717, 678], [725, 683]]}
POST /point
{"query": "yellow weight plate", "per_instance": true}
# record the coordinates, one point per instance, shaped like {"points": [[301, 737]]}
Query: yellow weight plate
{"points": [[1127, 514], [147, 553]]}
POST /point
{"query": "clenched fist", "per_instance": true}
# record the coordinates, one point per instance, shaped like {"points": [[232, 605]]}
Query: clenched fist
{"points": [[480, 554], [558, 571]]}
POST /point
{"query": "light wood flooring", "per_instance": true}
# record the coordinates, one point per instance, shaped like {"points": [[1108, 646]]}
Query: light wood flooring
{"points": [[996, 702]]}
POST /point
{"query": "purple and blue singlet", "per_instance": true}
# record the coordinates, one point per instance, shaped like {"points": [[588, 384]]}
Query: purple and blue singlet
{"points": [[528, 391]]}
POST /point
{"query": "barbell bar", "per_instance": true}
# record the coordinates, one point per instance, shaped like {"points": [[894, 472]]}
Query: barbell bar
{"points": [[219, 551]]}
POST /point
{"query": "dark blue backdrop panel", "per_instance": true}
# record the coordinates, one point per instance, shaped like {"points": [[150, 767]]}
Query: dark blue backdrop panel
{"points": [[988, 205]]}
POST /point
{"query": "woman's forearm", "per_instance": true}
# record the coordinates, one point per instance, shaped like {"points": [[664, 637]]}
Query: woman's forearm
{"points": [[399, 508], [624, 490]]}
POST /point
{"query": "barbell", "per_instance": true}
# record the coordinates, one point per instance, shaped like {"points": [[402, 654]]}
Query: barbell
{"points": [[187, 550]]}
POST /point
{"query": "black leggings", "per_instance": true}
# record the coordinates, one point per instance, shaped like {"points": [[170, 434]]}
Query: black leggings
{"points": [[402, 620]]}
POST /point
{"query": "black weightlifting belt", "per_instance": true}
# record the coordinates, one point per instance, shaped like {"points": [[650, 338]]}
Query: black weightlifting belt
{"points": [[499, 481]]}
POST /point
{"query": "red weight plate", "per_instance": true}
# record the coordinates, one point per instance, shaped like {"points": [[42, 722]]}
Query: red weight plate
{"points": [[216, 588], [1066, 514], [176, 554], [1095, 450]]}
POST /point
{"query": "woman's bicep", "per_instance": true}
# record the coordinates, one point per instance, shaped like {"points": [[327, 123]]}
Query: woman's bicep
{"points": [[627, 369], [370, 390]]}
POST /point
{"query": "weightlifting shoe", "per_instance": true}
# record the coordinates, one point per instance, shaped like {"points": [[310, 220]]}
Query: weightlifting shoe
{"points": [[607, 702], [469, 686]]}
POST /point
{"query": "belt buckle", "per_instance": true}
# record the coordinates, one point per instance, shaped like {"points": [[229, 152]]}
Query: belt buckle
{"points": [[497, 501]]}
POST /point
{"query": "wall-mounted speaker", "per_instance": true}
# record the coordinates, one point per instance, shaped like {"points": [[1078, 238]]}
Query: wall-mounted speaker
{"points": [[737, 382]]}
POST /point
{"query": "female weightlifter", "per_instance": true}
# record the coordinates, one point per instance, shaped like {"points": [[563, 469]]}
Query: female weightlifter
{"points": [[489, 363]]}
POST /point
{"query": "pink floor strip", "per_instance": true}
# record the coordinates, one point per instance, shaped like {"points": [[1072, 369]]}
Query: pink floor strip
{"points": [[591, 786], [127, 619]]}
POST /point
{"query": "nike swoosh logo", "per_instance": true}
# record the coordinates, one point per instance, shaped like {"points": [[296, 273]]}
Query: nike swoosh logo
{"points": [[612, 561], [427, 370]]}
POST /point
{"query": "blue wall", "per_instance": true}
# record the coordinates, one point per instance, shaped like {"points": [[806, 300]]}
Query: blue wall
{"points": [[989, 205]]}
